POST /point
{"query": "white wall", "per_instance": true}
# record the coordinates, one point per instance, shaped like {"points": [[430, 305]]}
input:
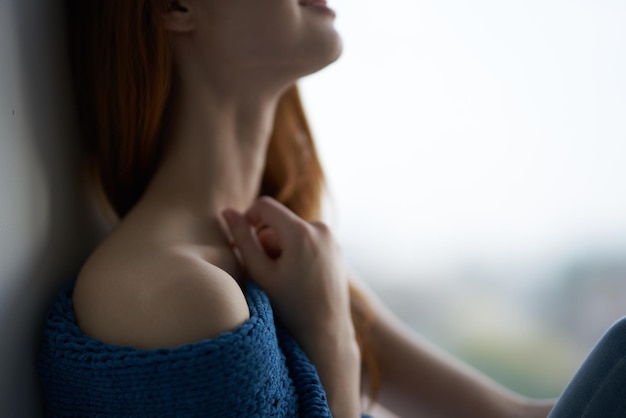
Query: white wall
{"points": [[44, 230]]}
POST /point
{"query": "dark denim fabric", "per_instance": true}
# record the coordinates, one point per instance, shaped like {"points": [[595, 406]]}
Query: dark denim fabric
{"points": [[598, 388]]}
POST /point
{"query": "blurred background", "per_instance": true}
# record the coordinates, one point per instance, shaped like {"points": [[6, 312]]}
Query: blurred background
{"points": [[476, 155]]}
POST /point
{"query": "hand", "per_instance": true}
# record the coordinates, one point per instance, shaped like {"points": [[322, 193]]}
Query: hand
{"points": [[297, 264]]}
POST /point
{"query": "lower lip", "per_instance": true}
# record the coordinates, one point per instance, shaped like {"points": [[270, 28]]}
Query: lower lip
{"points": [[322, 8]]}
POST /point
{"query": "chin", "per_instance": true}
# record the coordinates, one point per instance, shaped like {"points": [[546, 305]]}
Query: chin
{"points": [[338, 50], [322, 55], [305, 58]]}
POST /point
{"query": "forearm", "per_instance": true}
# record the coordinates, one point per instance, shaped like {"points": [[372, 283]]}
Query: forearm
{"points": [[337, 359], [419, 379]]}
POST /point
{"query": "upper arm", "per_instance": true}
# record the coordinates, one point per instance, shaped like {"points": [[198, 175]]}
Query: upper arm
{"points": [[164, 302], [201, 302]]}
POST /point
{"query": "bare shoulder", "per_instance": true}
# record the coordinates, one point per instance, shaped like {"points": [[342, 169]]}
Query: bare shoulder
{"points": [[157, 300]]}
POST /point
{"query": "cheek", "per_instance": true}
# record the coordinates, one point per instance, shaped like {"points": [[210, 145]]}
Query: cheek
{"points": [[277, 34], [259, 26], [276, 26]]}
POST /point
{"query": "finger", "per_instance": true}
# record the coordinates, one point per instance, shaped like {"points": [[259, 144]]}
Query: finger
{"points": [[321, 227], [253, 255], [269, 241], [268, 212]]}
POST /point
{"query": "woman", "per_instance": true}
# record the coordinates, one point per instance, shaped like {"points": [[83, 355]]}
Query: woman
{"points": [[190, 113]]}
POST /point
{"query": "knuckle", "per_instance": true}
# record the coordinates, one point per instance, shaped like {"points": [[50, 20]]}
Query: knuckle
{"points": [[302, 229], [322, 229], [266, 201]]}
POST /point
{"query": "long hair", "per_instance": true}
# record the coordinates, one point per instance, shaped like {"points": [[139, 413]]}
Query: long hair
{"points": [[122, 63]]}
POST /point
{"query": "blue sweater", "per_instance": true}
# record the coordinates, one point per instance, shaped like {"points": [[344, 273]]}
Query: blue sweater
{"points": [[256, 370]]}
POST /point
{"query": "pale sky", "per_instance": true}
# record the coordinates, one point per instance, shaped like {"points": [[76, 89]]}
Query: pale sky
{"points": [[488, 131]]}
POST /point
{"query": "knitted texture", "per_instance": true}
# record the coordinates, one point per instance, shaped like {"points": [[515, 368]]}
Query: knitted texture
{"points": [[255, 370]]}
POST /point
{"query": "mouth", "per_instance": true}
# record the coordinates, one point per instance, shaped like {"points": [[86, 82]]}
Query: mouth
{"points": [[318, 5], [313, 3]]}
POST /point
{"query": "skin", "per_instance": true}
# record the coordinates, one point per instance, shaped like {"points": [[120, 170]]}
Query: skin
{"points": [[420, 380], [167, 274]]}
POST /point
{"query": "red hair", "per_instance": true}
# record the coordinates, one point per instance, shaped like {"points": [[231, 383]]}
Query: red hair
{"points": [[122, 66]]}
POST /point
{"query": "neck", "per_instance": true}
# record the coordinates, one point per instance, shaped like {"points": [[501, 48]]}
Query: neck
{"points": [[215, 157]]}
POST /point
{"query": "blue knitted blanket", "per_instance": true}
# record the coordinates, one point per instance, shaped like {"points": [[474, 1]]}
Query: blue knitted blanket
{"points": [[256, 370]]}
